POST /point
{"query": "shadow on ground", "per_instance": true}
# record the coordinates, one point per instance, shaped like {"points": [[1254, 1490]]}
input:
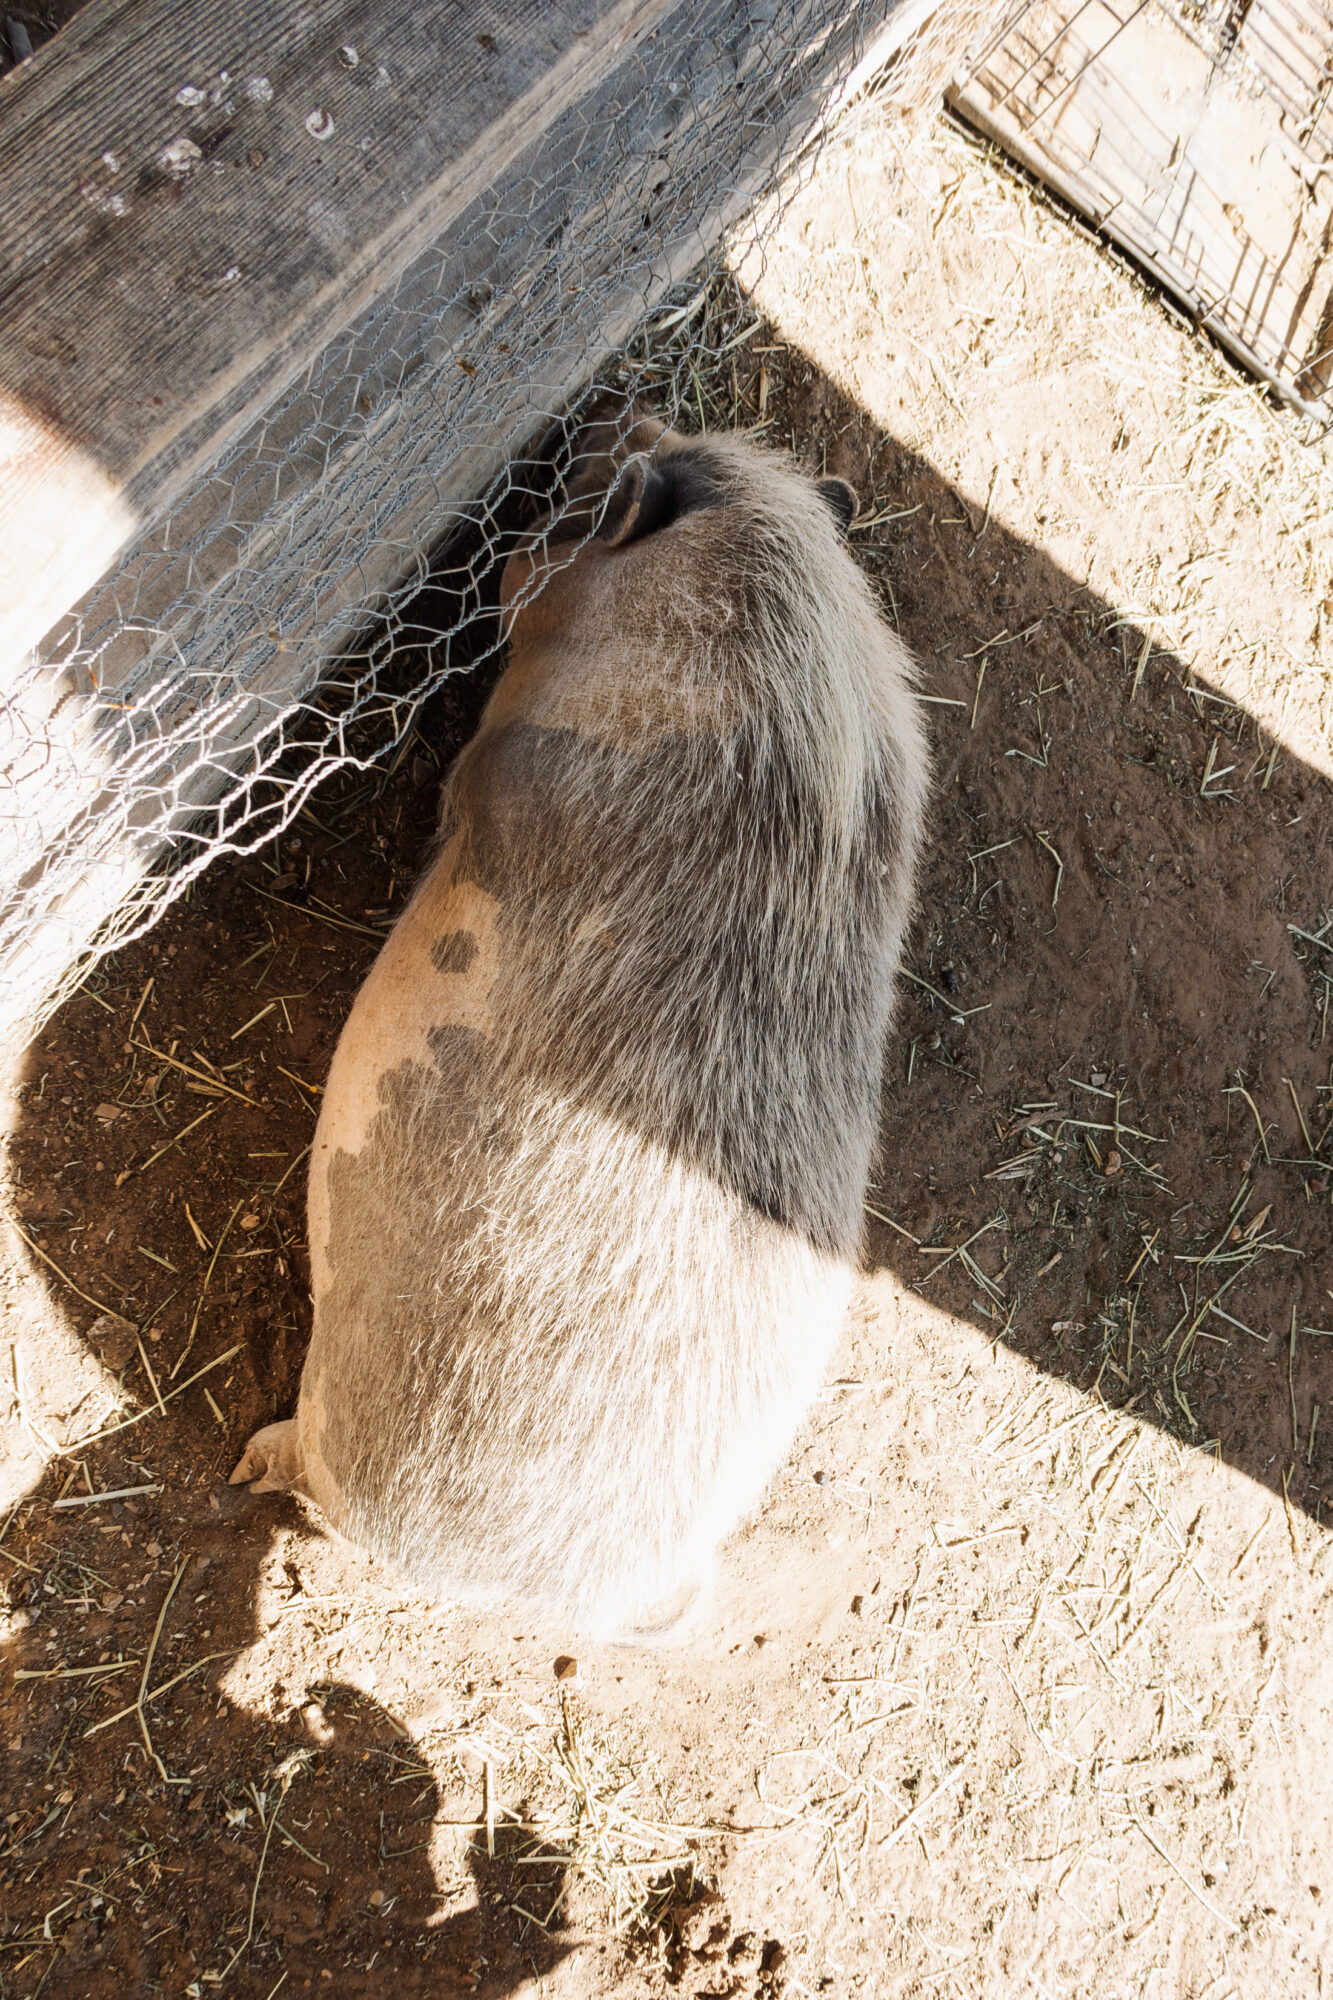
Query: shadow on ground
{"points": [[1105, 1141]]}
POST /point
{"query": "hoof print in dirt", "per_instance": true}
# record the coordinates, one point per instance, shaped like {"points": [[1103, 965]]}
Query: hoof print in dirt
{"points": [[732, 1964]]}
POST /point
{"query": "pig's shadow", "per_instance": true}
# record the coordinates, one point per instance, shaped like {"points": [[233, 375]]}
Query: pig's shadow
{"points": [[292, 1841]]}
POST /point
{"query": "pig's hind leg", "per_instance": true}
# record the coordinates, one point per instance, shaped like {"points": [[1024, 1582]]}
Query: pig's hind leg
{"points": [[672, 1621]]}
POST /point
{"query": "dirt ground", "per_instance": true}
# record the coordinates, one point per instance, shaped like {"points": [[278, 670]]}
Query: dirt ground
{"points": [[37, 23], [1019, 1682]]}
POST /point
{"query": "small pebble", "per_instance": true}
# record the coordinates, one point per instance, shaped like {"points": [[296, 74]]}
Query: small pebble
{"points": [[566, 1669]]}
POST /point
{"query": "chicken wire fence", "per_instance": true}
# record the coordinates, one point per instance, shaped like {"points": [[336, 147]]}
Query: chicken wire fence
{"points": [[290, 616], [1198, 135]]}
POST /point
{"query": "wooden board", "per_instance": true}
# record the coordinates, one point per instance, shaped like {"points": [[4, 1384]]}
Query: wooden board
{"points": [[195, 199], [277, 535]]}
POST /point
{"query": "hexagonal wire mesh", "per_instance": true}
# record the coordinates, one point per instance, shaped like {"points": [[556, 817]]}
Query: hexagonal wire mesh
{"points": [[291, 615]]}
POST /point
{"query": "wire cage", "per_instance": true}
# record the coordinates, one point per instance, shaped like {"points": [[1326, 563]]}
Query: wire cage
{"points": [[1196, 134]]}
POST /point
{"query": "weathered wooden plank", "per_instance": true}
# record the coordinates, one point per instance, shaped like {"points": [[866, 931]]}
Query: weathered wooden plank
{"points": [[177, 670], [218, 190]]}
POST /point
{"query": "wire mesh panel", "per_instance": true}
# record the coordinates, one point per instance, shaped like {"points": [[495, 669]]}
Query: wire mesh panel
{"points": [[1196, 133], [270, 625]]}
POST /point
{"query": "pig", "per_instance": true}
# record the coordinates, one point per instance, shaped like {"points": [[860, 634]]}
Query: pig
{"points": [[587, 1186]]}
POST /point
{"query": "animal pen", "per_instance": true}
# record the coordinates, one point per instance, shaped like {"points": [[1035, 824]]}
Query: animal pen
{"points": [[298, 294], [1021, 1680]]}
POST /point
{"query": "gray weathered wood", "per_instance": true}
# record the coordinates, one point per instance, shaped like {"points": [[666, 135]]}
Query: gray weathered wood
{"points": [[280, 533], [195, 199]]}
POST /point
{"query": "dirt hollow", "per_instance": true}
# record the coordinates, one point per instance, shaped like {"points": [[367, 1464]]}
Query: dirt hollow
{"points": [[1019, 1683]]}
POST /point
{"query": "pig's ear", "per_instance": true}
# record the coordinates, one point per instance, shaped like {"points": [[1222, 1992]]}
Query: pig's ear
{"points": [[653, 493], [840, 499], [639, 502]]}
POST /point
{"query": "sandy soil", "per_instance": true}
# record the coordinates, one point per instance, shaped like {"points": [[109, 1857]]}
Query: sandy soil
{"points": [[1019, 1683]]}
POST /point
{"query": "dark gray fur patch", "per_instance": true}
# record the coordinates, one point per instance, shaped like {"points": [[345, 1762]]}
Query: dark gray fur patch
{"points": [[457, 1052], [739, 1020], [454, 952]]}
